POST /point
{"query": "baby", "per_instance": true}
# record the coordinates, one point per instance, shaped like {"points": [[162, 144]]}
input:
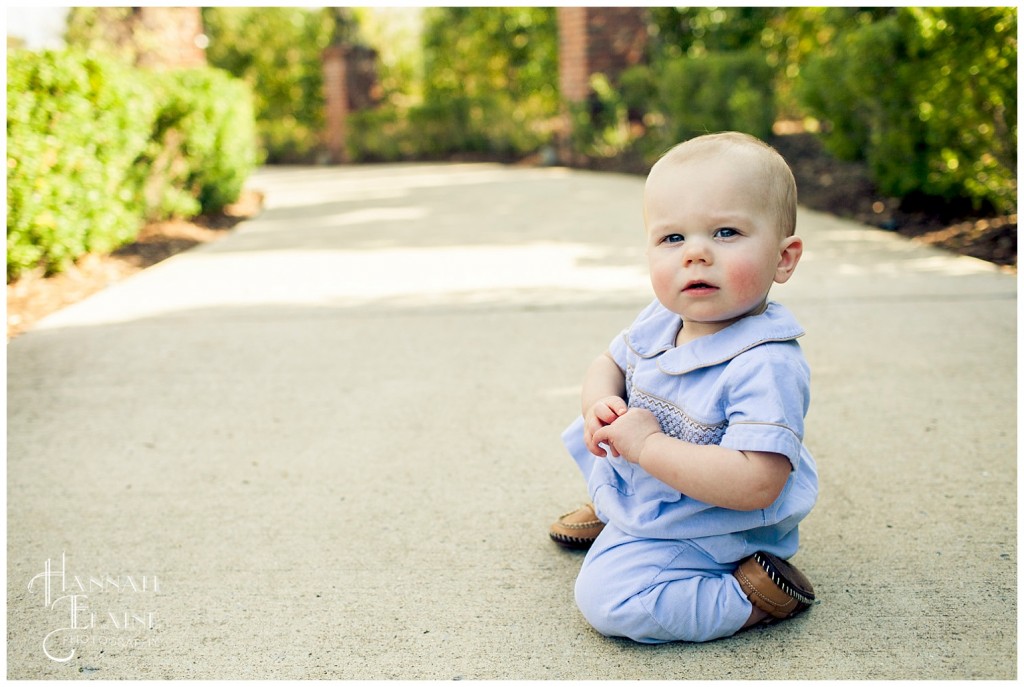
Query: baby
{"points": [[700, 404]]}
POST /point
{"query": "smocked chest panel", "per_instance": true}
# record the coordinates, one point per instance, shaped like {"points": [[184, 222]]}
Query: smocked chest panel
{"points": [[673, 420]]}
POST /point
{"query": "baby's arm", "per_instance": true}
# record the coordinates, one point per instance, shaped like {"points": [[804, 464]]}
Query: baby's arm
{"points": [[602, 398], [739, 480]]}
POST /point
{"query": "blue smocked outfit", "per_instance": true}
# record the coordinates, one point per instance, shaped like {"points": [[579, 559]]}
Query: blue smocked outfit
{"points": [[661, 569]]}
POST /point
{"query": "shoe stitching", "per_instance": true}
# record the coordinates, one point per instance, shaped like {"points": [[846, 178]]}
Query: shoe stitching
{"points": [[753, 590], [579, 525], [780, 582]]}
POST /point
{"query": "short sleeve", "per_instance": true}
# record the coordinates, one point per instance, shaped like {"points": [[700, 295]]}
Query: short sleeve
{"points": [[619, 350], [767, 396]]}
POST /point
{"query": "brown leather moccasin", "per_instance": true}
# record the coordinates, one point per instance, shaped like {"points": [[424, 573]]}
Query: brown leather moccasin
{"points": [[774, 585], [577, 529]]}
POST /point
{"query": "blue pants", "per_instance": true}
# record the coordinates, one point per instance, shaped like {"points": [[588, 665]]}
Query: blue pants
{"points": [[657, 590]]}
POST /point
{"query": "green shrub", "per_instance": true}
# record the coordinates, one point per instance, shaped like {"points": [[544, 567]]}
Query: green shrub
{"points": [[483, 124], [203, 145], [970, 109], [865, 94], [218, 133], [445, 126], [379, 135], [717, 92], [490, 81], [600, 125], [75, 125], [94, 147], [928, 98], [278, 52], [677, 99], [389, 134]]}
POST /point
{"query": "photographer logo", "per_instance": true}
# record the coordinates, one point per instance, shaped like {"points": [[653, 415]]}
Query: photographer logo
{"points": [[81, 605]]}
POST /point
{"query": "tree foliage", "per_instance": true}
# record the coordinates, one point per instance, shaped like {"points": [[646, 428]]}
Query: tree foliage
{"points": [[494, 71], [707, 69], [695, 31], [278, 51], [102, 29], [928, 97]]}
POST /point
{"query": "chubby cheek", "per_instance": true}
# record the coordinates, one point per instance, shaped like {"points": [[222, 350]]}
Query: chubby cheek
{"points": [[747, 279], [663, 279]]}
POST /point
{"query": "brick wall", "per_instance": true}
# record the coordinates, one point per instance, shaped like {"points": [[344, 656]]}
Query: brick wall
{"points": [[592, 40]]}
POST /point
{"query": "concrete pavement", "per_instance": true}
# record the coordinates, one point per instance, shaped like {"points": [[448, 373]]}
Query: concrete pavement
{"points": [[327, 446]]}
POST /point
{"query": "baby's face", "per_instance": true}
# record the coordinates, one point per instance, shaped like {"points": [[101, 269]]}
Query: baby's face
{"points": [[713, 246]]}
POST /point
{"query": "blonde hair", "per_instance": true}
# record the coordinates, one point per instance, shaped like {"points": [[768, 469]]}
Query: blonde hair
{"points": [[779, 181]]}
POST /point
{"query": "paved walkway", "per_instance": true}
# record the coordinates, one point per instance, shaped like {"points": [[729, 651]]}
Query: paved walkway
{"points": [[327, 446]]}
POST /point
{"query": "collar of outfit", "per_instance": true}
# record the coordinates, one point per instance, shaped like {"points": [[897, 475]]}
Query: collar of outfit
{"points": [[654, 334]]}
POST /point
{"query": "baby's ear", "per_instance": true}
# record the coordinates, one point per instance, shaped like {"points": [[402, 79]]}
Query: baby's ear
{"points": [[790, 250]]}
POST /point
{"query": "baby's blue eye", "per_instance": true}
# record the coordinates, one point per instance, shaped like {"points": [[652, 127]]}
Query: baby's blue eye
{"points": [[673, 238], [726, 232]]}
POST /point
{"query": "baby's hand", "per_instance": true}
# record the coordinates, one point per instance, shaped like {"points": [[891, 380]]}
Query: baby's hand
{"points": [[627, 436], [602, 413]]}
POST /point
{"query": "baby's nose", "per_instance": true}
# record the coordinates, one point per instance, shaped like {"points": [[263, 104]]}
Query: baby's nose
{"points": [[696, 251]]}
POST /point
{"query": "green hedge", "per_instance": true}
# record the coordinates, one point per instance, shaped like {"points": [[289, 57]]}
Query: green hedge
{"points": [[277, 51], [677, 98], [202, 148], [489, 88], [717, 92], [928, 97], [487, 124], [75, 126], [95, 147]]}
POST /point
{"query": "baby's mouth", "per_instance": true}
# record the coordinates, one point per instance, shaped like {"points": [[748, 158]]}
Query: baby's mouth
{"points": [[699, 286]]}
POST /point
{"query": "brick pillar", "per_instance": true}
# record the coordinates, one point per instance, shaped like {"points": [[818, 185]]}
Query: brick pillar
{"points": [[592, 40], [350, 85], [336, 102], [572, 53]]}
